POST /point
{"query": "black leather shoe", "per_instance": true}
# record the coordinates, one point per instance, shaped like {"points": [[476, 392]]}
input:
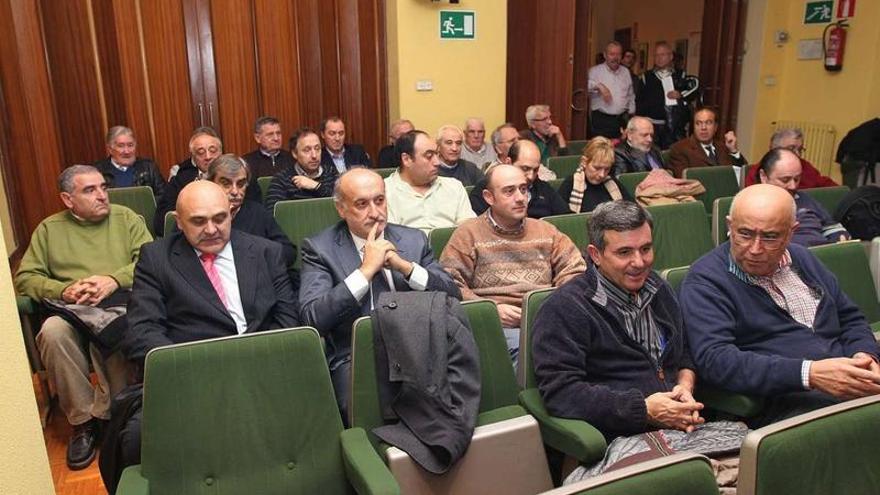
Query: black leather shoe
{"points": [[82, 446]]}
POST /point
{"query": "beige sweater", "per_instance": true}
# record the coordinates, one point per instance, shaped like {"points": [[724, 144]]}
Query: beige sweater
{"points": [[488, 265]]}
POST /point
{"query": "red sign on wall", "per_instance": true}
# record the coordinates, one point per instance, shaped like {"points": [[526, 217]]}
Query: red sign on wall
{"points": [[846, 8]]}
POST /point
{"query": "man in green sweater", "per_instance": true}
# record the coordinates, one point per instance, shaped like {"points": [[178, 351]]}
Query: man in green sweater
{"points": [[81, 255]]}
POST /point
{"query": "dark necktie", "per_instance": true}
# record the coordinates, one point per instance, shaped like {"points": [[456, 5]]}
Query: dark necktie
{"points": [[710, 149]]}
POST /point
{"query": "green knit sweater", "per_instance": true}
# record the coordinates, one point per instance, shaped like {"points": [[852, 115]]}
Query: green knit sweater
{"points": [[65, 249]]}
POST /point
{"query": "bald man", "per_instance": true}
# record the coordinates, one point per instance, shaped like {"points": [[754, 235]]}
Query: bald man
{"points": [[347, 266], [543, 199], [203, 281], [502, 254], [764, 317]]}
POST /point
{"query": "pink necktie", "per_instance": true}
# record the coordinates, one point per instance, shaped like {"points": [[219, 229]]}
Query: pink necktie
{"points": [[213, 275]]}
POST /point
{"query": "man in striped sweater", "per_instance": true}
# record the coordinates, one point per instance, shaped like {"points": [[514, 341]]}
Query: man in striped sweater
{"points": [[501, 255]]}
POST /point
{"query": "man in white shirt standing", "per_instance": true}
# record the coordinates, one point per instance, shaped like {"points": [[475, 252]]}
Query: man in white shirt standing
{"points": [[611, 93]]}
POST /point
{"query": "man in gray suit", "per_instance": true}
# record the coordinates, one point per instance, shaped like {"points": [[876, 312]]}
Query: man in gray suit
{"points": [[347, 266]]}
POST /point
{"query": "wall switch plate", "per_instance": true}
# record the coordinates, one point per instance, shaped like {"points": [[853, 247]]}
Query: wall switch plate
{"points": [[424, 85]]}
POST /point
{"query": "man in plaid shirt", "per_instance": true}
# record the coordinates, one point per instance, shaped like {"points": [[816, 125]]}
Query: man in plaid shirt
{"points": [[764, 317]]}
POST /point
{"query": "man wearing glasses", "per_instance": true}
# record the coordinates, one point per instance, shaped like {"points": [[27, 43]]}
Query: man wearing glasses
{"points": [[543, 132], [764, 317], [793, 140]]}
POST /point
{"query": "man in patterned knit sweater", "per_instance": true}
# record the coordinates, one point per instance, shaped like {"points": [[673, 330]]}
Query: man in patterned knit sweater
{"points": [[501, 255]]}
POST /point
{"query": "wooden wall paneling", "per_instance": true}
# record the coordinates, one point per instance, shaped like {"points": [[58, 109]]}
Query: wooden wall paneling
{"points": [[721, 56], [34, 144], [110, 71], [132, 83], [278, 64], [331, 83], [70, 50], [554, 54], [310, 55], [373, 76], [522, 68], [582, 63], [171, 107], [232, 24], [352, 99]]}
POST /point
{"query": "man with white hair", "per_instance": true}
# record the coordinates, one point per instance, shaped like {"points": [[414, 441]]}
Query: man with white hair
{"points": [[475, 149], [449, 143], [792, 139], [543, 132], [637, 152], [123, 168], [611, 93]]}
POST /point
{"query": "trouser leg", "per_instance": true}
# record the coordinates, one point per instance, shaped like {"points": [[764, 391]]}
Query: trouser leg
{"points": [[511, 335], [340, 375], [112, 373], [62, 350]]}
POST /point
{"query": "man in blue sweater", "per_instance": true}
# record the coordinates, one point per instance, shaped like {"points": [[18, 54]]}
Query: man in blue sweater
{"points": [[765, 317]]}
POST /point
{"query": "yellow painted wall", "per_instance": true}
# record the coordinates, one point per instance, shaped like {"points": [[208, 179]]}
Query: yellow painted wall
{"points": [[803, 89], [24, 466], [469, 76]]}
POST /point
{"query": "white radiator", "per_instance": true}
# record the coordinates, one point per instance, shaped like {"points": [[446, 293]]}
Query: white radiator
{"points": [[818, 139]]}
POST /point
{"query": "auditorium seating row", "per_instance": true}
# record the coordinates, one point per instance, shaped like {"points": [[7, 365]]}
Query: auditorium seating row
{"points": [[283, 433]]}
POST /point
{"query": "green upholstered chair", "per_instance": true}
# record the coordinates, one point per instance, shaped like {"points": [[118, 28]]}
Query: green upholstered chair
{"points": [[253, 413], [678, 474], [572, 437], [264, 183], [301, 218], [849, 263], [555, 183], [29, 316], [498, 390], [664, 156], [829, 450], [738, 405], [720, 210], [632, 180], [718, 181], [681, 234], [564, 166], [385, 172], [576, 147], [828, 197], [574, 225], [438, 238], [140, 199], [170, 223]]}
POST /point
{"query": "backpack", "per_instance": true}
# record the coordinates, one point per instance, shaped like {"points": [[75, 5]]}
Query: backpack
{"points": [[859, 212]]}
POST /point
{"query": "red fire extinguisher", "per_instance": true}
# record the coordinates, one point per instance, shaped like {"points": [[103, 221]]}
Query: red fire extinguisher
{"points": [[833, 43]]}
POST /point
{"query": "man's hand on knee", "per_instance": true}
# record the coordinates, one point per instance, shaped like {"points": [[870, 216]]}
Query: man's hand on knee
{"points": [[666, 411], [510, 315], [846, 378]]}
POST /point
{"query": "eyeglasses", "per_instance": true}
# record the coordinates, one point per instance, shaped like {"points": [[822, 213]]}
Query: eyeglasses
{"points": [[748, 237], [542, 119]]}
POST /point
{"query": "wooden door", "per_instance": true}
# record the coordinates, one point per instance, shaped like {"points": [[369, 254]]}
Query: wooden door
{"points": [[721, 57]]}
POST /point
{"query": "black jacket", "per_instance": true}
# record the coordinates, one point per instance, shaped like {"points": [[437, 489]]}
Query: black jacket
{"points": [[353, 154], [145, 174], [545, 200], [627, 159], [265, 166]]}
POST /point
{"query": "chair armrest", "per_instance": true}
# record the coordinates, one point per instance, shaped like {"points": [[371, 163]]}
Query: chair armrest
{"points": [[740, 405], [132, 482], [26, 305], [570, 436], [365, 470]]}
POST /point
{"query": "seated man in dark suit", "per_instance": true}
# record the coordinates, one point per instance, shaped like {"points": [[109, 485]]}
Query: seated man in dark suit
{"points": [[703, 148], [204, 147], [307, 178], [205, 281], [387, 158], [336, 153], [347, 266], [764, 317], [450, 139], [637, 152], [270, 157], [543, 199], [123, 168]]}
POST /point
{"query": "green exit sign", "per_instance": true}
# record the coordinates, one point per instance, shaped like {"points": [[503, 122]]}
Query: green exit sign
{"points": [[457, 25], [818, 12]]}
